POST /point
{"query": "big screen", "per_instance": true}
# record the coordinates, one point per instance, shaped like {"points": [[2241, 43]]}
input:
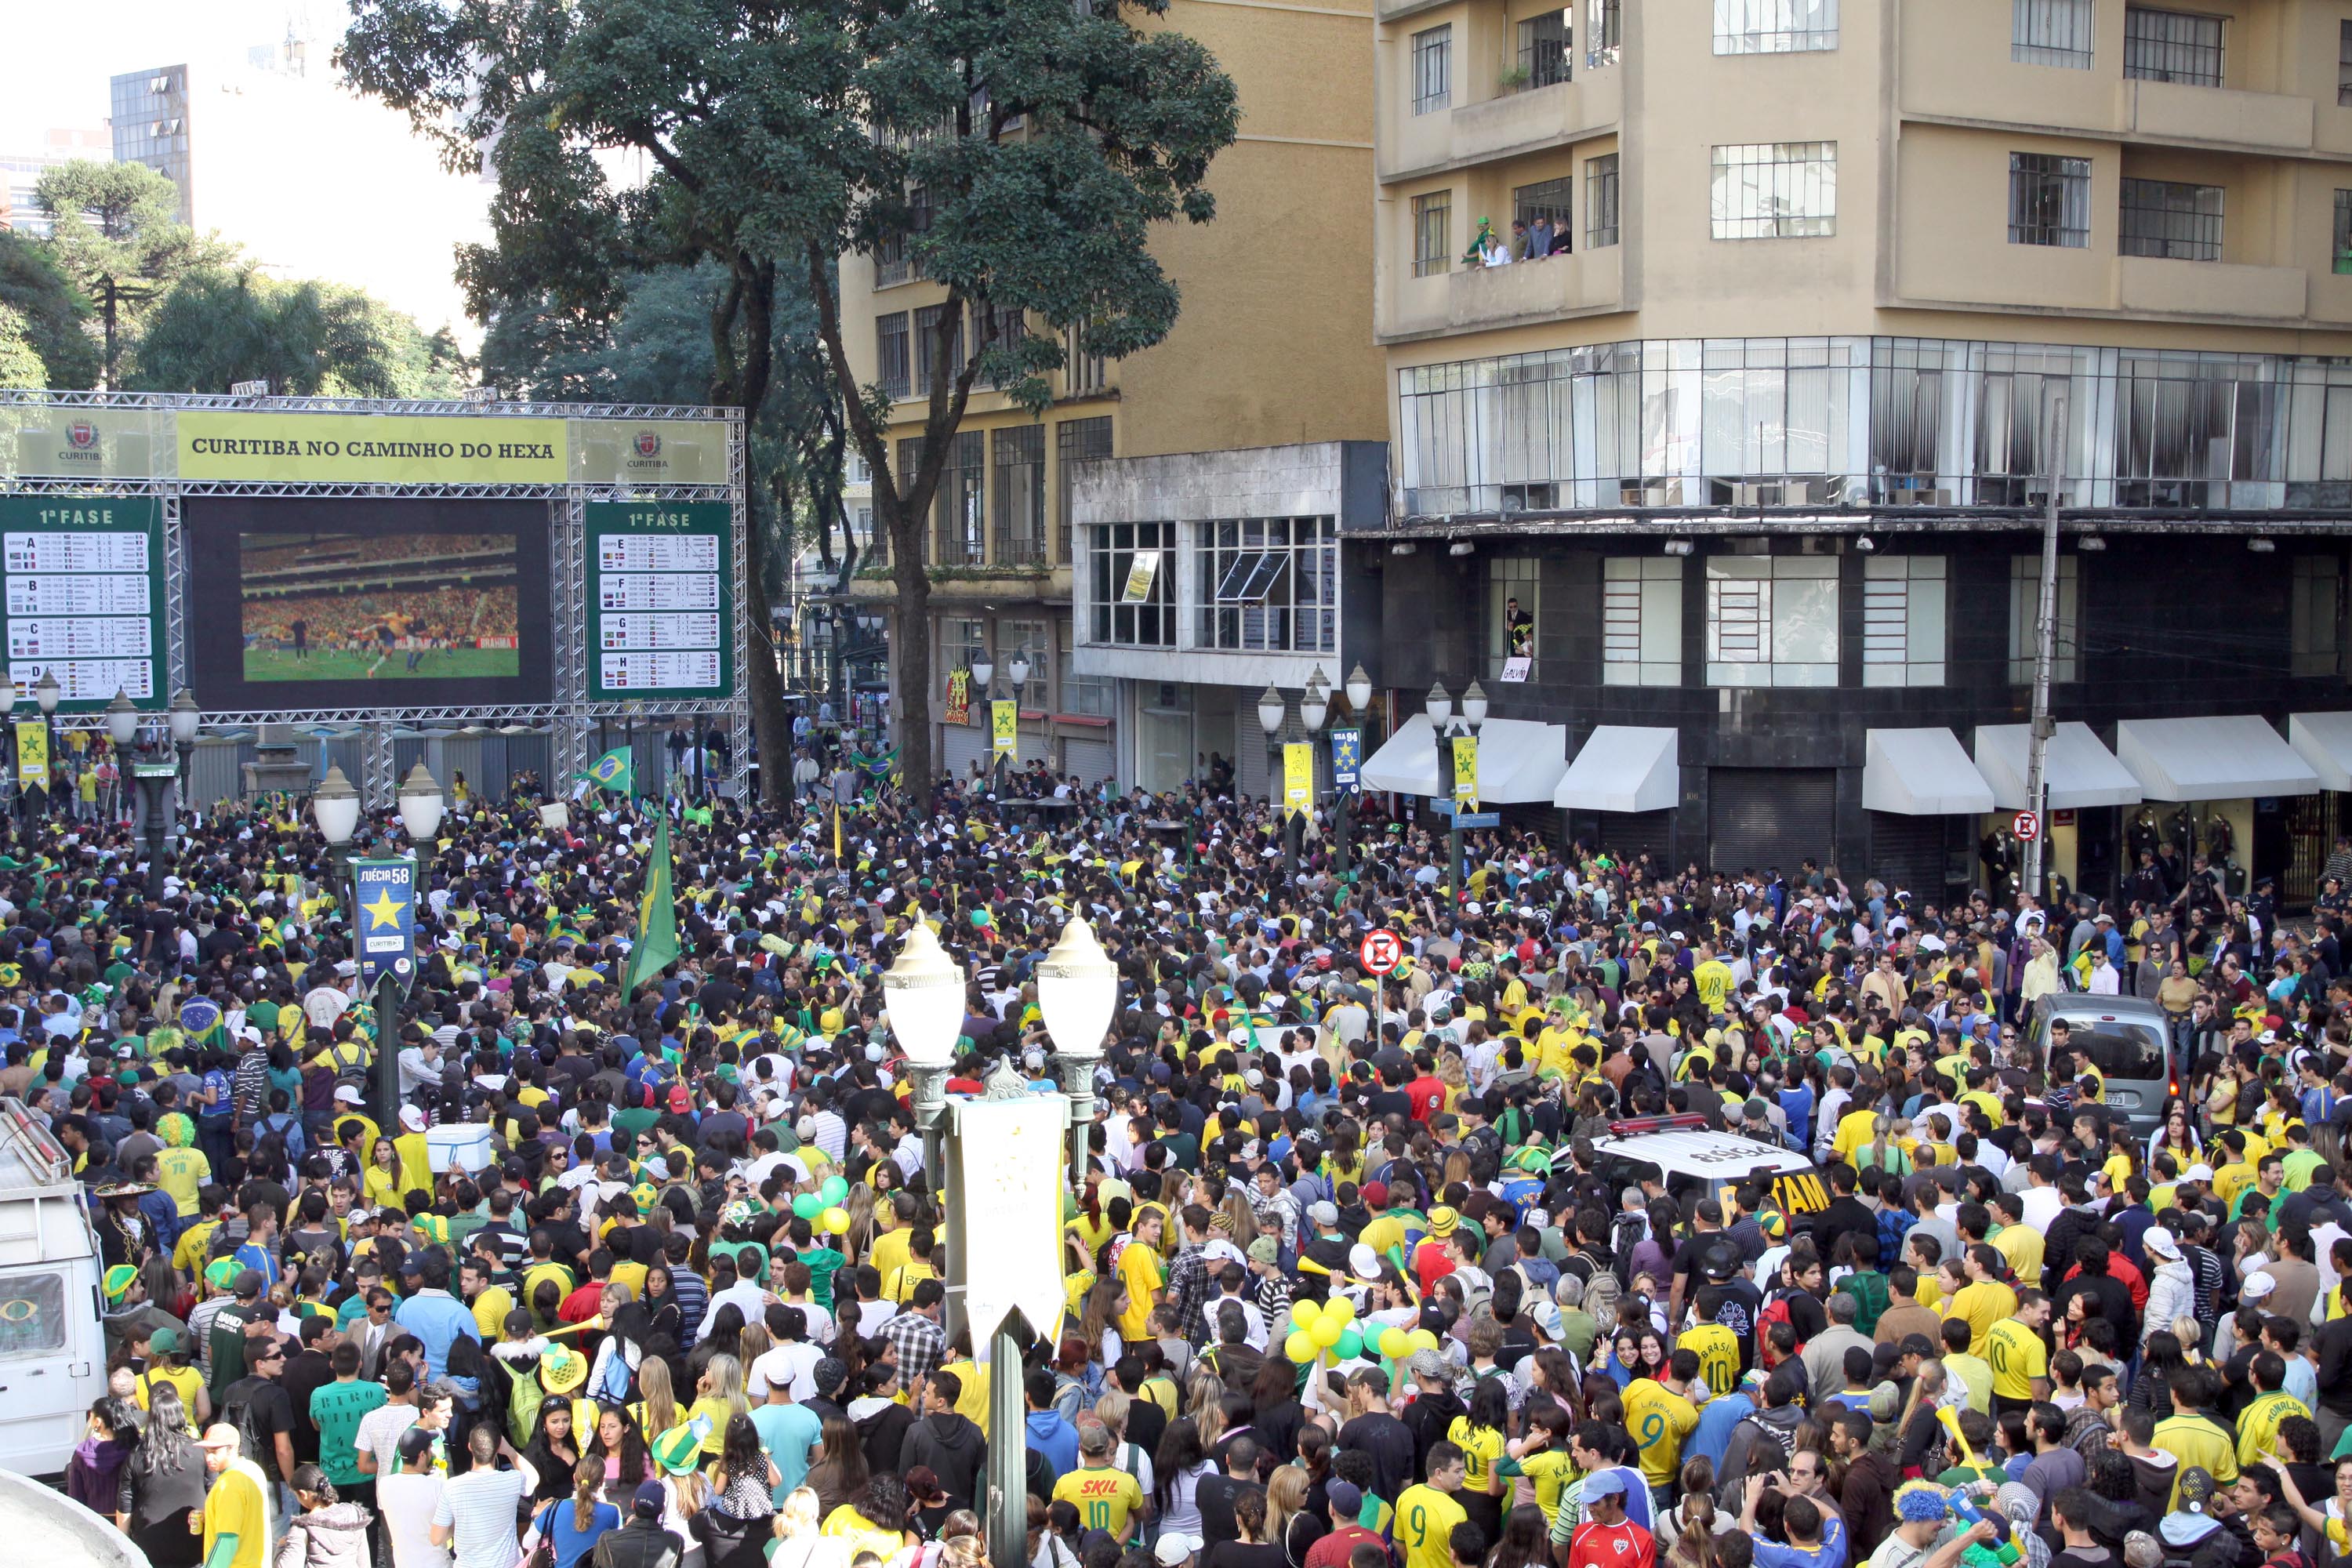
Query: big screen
{"points": [[335, 603]]}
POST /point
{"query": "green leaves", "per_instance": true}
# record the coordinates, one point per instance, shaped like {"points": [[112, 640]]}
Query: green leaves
{"points": [[218, 326]]}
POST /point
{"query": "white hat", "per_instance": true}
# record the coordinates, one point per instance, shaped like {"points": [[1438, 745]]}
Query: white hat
{"points": [[2159, 1241], [2200, 1172], [345, 1094], [1175, 1547], [412, 1119], [2256, 1287]]}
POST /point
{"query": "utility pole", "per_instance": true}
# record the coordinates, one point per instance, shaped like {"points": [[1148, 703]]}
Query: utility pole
{"points": [[2045, 652]]}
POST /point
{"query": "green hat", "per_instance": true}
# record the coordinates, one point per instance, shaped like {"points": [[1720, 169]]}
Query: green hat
{"points": [[119, 1280], [679, 1449], [163, 1342], [221, 1273]]}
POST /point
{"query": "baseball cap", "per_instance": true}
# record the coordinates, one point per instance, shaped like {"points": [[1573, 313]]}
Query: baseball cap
{"points": [[220, 1435], [163, 1342], [650, 1498], [1345, 1497], [248, 1283], [414, 1443], [1094, 1438], [1175, 1546], [1322, 1213], [345, 1094], [1604, 1483], [2159, 1240]]}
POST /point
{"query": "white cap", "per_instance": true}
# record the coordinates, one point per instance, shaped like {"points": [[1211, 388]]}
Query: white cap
{"points": [[412, 1119], [2159, 1241], [347, 1095]]}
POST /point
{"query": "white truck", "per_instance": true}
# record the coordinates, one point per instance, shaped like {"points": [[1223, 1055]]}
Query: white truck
{"points": [[52, 1340]]}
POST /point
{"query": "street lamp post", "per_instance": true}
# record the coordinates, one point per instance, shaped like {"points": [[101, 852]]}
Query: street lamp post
{"points": [[153, 776], [983, 678], [1442, 724], [7, 705], [1358, 692], [1270, 712], [1017, 672], [187, 719], [1077, 986], [46, 694], [923, 999], [1314, 708], [421, 806], [335, 807]]}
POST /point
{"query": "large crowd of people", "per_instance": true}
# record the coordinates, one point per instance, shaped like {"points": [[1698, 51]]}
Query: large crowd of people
{"points": [[656, 1278]]}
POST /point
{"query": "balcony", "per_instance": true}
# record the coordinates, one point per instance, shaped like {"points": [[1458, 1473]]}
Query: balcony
{"points": [[2217, 116], [2151, 286], [1588, 283], [1504, 125]]}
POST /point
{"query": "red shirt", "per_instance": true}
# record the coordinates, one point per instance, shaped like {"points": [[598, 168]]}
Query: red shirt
{"points": [[1331, 1551], [1426, 1094], [581, 1304], [1620, 1545], [1433, 1260]]}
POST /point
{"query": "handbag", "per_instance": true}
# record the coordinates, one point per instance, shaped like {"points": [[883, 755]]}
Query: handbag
{"points": [[543, 1554]]}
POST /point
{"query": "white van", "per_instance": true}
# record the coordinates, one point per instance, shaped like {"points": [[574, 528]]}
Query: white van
{"points": [[52, 1342]]}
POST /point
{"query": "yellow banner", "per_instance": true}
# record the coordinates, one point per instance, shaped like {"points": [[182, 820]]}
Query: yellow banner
{"points": [[1003, 721], [1465, 773], [1297, 777], [372, 449], [32, 754]]}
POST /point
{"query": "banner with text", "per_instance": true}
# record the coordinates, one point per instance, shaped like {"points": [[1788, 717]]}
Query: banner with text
{"points": [[1003, 721], [1297, 777], [32, 754], [386, 914], [1466, 772], [81, 597], [661, 599]]}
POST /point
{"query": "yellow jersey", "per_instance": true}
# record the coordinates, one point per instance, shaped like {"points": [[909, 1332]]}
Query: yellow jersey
{"points": [[1106, 1499], [1138, 1270], [2258, 1426], [2195, 1441], [1983, 1302], [1551, 1470], [2018, 1356], [1482, 1450], [1425, 1518], [1659, 1420], [1717, 1349]]}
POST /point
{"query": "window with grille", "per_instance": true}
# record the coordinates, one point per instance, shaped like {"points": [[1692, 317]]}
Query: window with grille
{"points": [[1513, 599], [959, 527], [1433, 69], [1642, 620], [1600, 201], [2344, 64], [1774, 27], [1075, 441], [2314, 615], [1776, 190], [926, 345], [1548, 202], [1131, 585], [1433, 221], [890, 353], [2341, 249], [1771, 620], [2051, 33], [1269, 584], [1546, 48], [1081, 372], [2171, 219], [1005, 340], [1021, 496], [1604, 27], [1903, 620], [2049, 200], [2025, 615], [2172, 45]]}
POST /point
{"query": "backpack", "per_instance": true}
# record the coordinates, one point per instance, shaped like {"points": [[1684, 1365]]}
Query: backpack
{"points": [[1626, 1232], [239, 1414]]}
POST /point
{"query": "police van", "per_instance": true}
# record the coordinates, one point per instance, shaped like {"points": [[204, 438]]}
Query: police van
{"points": [[1694, 1161], [52, 1339]]}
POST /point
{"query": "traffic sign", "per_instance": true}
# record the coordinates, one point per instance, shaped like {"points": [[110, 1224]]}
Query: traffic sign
{"points": [[2026, 825], [1381, 951]]}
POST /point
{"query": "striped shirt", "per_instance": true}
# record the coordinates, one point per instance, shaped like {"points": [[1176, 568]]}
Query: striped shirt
{"points": [[693, 1295], [480, 1507]]}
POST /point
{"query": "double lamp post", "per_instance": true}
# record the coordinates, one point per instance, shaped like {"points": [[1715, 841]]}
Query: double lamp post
{"points": [[1446, 729], [335, 806], [1314, 709], [155, 770], [983, 670]]}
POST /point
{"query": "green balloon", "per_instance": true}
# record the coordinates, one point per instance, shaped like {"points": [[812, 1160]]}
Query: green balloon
{"points": [[1350, 1345], [835, 1190], [808, 1205]]}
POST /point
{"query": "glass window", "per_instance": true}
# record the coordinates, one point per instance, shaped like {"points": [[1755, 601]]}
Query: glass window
{"points": [[1776, 190], [962, 640], [1903, 620], [1772, 620], [2315, 616], [1081, 372], [1433, 222], [2344, 63], [1604, 24], [2171, 219], [1551, 204], [2025, 612], [960, 531], [2051, 33], [1131, 585], [32, 1314], [1547, 52], [1774, 27], [2172, 45], [2049, 200], [1033, 640], [927, 346], [1432, 70], [1004, 341], [1514, 597], [1075, 441], [2340, 250], [1268, 583], [1600, 201], [890, 353], [1020, 495], [1081, 694], [1642, 620]]}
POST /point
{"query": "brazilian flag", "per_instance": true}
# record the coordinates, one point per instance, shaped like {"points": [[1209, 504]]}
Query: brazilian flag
{"points": [[614, 771], [656, 944]]}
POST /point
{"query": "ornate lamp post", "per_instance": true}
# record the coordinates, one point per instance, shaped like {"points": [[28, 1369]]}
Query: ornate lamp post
{"points": [[924, 997], [1271, 710], [45, 695], [154, 777], [1314, 708], [1445, 729], [1358, 692], [1077, 986]]}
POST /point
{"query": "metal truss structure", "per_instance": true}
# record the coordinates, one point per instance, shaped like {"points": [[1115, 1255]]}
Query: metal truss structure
{"points": [[571, 716]]}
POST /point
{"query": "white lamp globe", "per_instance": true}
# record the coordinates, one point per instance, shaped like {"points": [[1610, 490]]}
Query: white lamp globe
{"points": [[925, 996], [421, 804], [336, 806], [1077, 986]]}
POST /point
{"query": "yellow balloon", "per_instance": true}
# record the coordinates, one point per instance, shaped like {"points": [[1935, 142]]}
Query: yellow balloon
{"points": [[1303, 1314], [1395, 1343], [1299, 1347], [1421, 1339], [835, 1220], [1325, 1333], [1340, 1310]]}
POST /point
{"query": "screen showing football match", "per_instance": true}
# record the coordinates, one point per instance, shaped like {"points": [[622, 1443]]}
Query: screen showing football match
{"points": [[357, 601]]}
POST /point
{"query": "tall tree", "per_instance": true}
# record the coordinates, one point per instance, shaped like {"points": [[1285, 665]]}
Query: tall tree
{"points": [[307, 338], [1045, 139], [116, 232], [20, 362], [51, 312]]}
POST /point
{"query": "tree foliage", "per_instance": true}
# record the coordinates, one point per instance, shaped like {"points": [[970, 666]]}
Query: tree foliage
{"points": [[51, 312], [20, 362], [116, 233], [1046, 138], [308, 338]]}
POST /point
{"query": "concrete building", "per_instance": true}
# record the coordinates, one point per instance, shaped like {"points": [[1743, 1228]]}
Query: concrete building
{"points": [[21, 171], [1272, 350], [273, 152], [1759, 451]]}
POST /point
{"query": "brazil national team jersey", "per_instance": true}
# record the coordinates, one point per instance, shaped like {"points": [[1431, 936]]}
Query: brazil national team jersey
{"points": [[1425, 1518], [1659, 1420], [2018, 1357], [2258, 1426], [1717, 1349]]}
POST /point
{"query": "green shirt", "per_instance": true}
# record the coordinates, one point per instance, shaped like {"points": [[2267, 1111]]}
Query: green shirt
{"points": [[822, 1261], [337, 1408]]}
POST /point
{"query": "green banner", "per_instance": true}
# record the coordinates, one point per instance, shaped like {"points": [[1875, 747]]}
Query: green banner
{"points": [[661, 600], [81, 597]]}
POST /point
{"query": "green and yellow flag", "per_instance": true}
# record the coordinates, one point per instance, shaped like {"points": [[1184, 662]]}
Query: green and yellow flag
{"points": [[656, 944], [614, 771]]}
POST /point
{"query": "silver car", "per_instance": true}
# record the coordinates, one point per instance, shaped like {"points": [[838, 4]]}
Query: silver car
{"points": [[2125, 1038]]}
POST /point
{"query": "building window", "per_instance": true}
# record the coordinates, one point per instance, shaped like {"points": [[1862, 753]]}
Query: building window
{"points": [[1600, 201], [1010, 331], [1034, 639], [1772, 620], [2171, 219], [2341, 250], [963, 639], [1081, 694], [2344, 64], [926, 345], [2172, 45], [2025, 614], [1075, 441], [1513, 595], [1432, 70], [1642, 620], [2315, 616], [1903, 620], [1269, 584], [1551, 204], [1021, 496], [1131, 577], [2049, 200], [1604, 27], [1546, 48], [1774, 27], [1081, 372], [1776, 190], [890, 353], [2051, 33], [1432, 224], [959, 529]]}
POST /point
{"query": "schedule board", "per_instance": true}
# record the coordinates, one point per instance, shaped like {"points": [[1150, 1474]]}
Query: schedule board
{"points": [[661, 599], [81, 597]]}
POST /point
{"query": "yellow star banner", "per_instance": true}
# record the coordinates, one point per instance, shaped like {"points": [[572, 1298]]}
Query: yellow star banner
{"points": [[386, 926]]}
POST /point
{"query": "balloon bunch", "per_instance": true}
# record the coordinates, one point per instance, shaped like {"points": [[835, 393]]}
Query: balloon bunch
{"points": [[1319, 1326], [822, 1208]]}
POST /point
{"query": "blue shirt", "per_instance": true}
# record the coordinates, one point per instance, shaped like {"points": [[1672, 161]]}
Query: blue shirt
{"points": [[787, 1432], [1830, 1553], [438, 1320], [1717, 1417], [557, 1522], [1055, 1438]]}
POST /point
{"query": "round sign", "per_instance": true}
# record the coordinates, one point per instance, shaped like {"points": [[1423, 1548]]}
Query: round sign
{"points": [[2026, 825], [1381, 951]]}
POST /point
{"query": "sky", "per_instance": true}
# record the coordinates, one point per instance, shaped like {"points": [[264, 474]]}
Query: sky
{"points": [[72, 49]]}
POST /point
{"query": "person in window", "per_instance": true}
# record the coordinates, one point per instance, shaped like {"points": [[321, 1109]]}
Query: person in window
{"points": [[1518, 630], [1539, 236]]}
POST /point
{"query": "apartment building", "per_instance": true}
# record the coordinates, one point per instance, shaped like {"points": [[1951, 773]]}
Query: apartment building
{"points": [[1272, 350], [1735, 484]]}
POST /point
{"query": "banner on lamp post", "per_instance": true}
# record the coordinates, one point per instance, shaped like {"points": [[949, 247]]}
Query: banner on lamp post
{"points": [[1297, 777], [1466, 772], [383, 912], [1347, 758], [1007, 1160], [32, 754], [1003, 721]]}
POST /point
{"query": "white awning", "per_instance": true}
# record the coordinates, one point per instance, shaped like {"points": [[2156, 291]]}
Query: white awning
{"points": [[2219, 758], [1623, 768], [1519, 761], [1921, 773], [2078, 771], [2325, 741]]}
